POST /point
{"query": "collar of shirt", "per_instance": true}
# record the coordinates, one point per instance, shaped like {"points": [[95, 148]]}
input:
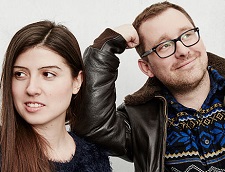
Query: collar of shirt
{"points": [[217, 83]]}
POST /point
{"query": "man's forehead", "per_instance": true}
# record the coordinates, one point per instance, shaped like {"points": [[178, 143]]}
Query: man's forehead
{"points": [[167, 25]]}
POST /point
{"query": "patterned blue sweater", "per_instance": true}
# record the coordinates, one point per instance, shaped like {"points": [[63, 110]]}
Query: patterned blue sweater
{"points": [[196, 138], [88, 158]]}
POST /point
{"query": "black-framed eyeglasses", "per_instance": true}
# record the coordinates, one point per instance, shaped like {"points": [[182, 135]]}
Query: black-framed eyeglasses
{"points": [[168, 48]]}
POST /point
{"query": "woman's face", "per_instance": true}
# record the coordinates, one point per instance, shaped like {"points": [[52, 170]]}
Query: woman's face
{"points": [[42, 87]]}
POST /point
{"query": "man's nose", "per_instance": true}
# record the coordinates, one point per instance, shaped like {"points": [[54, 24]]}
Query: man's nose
{"points": [[181, 50]]}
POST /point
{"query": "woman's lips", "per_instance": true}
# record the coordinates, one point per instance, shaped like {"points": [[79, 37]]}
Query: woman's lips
{"points": [[33, 106]]}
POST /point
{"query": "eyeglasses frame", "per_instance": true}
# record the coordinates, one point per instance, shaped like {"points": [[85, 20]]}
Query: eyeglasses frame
{"points": [[196, 29]]}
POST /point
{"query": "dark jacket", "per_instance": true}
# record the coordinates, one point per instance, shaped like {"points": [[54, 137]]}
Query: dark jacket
{"points": [[136, 130]]}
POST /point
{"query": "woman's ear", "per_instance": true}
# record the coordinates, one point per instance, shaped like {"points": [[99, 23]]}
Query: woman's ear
{"points": [[77, 82], [145, 68]]}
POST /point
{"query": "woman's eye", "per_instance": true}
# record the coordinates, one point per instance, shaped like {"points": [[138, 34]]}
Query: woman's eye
{"points": [[19, 74], [49, 74]]}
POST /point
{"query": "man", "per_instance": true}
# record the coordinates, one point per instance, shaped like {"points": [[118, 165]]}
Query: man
{"points": [[175, 122]]}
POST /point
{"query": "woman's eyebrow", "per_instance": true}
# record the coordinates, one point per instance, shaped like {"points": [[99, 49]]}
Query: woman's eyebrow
{"points": [[49, 67], [21, 67], [44, 67]]}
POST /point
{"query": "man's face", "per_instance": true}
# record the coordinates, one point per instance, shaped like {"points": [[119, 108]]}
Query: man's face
{"points": [[188, 65]]}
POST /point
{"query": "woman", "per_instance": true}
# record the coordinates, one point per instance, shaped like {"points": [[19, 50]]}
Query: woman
{"points": [[42, 85]]}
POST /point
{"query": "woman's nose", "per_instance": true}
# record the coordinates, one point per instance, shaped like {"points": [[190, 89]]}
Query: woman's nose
{"points": [[33, 87]]}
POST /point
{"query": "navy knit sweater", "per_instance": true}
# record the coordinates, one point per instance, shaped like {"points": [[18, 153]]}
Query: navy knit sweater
{"points": [[88, 158]]}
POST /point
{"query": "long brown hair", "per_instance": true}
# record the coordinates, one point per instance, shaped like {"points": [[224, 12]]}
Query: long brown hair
{"points": [[151, 12], [22, 148]]}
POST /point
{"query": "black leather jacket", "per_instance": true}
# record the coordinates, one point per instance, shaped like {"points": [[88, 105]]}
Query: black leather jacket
{"points": [[136, 130]]}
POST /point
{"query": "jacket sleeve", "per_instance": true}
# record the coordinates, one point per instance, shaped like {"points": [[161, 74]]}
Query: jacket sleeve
{"points": [[101, 122]]}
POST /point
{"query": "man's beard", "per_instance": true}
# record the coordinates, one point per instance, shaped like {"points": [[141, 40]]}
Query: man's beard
{"points": [[183, 85]]}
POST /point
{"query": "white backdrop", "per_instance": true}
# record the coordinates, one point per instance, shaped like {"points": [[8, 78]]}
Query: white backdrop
{"points": [[88, 18]]}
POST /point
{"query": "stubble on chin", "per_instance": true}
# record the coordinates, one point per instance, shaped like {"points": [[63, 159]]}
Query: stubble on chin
{"points": [[185, 84]]}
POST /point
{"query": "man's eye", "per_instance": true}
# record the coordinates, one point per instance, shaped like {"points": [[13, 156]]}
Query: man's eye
{"points": [[165, 46], [186, 36]]}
